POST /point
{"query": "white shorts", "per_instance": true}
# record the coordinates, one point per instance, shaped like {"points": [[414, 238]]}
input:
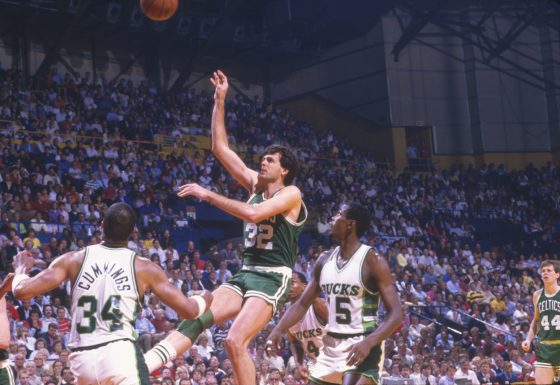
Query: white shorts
{"points": [[120, 362], [331, 362]]}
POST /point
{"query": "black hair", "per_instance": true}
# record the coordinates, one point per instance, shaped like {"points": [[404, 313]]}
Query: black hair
{"points": [[301, 276], [360, 214], [119, 222], [288, 160]]}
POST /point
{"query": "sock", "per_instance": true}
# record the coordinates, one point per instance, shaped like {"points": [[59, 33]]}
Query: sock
{"points": [[159, 355], [192, 328]]}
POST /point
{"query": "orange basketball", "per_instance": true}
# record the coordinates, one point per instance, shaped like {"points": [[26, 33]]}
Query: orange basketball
{"points": [[159, 10]]}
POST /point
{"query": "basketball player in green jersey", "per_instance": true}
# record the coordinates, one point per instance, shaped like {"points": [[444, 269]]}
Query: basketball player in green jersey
{"points": [[6, 374], [354, 278], [547, 321], [273, 216]]}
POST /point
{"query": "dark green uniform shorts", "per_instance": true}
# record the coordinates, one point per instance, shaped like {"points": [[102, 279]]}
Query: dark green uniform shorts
{"points": [[269, 283]]}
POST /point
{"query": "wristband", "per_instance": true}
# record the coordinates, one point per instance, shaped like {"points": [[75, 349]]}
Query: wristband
{"points": [[201, 304], [18, 278]]}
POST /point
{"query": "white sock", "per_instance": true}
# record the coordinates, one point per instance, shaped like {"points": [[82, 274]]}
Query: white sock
{"points": [[159, 355]]}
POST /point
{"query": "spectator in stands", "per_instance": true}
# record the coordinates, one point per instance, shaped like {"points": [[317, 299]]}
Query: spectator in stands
{"points": [[465, 372]]}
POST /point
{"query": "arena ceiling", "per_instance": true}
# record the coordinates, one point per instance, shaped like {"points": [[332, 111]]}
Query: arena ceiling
{"points": [[257, 39]]}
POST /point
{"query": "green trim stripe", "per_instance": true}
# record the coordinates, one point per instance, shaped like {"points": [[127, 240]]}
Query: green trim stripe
{"points": [[79, 271], [320, 382], [369, 309], [372, 377], [139, 297], [141, 367]]}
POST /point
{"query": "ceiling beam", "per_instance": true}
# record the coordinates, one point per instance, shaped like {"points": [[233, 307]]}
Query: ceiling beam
{"points": [[418, 23], [52, 53]]}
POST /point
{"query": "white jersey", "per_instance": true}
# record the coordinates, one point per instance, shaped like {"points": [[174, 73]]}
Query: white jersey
{"points": [[104, 297], [352, 307], [309, 331]]}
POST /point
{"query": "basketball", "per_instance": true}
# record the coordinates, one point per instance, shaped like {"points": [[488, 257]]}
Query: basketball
{"points": [[159, 10]]}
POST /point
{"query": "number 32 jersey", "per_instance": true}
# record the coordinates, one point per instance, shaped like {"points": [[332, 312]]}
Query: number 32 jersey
{"points": [[273, 241], [104, 297], [352, 307]]}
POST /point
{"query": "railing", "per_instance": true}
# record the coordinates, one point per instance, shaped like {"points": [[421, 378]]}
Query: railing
{"points": [[440, 309], [186, 144]]}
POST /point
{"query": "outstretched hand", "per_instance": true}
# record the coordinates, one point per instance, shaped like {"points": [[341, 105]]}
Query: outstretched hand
{"points": [[220, 82], [303, 372], [194, 190], [23, 262]]}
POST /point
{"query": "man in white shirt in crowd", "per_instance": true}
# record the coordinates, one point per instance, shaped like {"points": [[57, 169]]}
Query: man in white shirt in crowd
{"points": [[424, 377], [465, 372]]}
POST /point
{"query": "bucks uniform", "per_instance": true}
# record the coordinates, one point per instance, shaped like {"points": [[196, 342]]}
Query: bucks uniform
{"points": [[352, 317], [270, 251], [104, 302], [309, 332], [548, 355]]}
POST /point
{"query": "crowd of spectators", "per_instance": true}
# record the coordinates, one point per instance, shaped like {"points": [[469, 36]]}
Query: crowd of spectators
{"points": [[72, 147]]}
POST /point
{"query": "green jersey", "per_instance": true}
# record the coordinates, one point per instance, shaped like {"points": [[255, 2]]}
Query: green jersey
{"points": [[549, 317], [273, 241]]}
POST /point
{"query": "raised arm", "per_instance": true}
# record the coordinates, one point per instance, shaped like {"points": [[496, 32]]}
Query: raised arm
{"points": [[526, 344], [220, 147], [47, 280], [153, 277], [287, 199]]}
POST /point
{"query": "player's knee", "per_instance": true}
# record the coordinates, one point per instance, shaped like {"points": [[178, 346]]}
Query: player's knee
{"points": [[234, 344]]}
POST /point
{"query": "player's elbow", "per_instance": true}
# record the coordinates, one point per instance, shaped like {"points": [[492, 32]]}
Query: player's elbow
{"points": [[253, 215], [397, 315], [219, 148], [187, 312], [193, 308]]}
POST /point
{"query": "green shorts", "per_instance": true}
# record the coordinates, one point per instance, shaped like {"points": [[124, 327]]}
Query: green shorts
{"points": [[548, 356], [269, 283]]}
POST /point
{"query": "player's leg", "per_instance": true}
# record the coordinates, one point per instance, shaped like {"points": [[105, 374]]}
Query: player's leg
{"points": [[544, 375], [225, 305], [254, 316], [356, 379]]}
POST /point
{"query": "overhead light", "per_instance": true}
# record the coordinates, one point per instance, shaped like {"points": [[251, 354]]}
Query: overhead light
{"points": [[114, 12], [206, 26], [136, 17], [239, 33], [183, 26], [74, 5]]}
